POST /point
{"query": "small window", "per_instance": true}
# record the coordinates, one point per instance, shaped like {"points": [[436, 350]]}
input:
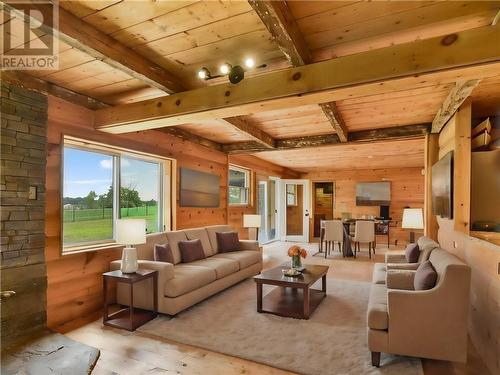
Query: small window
{"points": [[239, 185], [291, 195]]}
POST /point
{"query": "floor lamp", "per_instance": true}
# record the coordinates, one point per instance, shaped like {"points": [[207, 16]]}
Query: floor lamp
{"points": [[412, 219], [252, 222]]}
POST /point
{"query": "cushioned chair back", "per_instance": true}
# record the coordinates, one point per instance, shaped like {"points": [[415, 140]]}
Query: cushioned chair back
{"points": [[426, 246], [364, 231], [146, 251], [334, 230]]}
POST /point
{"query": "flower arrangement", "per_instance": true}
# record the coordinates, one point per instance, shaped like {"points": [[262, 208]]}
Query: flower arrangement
{"points": [[296, 253]]}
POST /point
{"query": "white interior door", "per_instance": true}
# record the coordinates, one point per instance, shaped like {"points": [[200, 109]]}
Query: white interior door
{"points": [[295, 210]]}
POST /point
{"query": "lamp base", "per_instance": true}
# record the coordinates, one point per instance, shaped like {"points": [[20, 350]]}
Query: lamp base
{"points": [[253, 234], [412, 237], [129, 260]]}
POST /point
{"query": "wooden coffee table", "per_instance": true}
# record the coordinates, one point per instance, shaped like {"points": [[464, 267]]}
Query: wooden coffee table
{"points": [[294, 298]]}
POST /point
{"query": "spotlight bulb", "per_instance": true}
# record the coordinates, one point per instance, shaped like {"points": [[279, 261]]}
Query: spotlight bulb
{"points": [[249, 63], [203, 73], [224, 68]]}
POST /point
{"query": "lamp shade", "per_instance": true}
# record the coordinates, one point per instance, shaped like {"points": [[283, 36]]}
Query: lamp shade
{"points": [[251, 221], [412, 218], [131, 231]]}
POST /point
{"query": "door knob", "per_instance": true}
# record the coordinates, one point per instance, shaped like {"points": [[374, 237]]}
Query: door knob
{"points": [[7, 294]]}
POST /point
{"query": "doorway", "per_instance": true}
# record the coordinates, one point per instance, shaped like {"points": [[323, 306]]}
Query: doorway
{"points": [[295, 213], [322, 204], [268, 210]]}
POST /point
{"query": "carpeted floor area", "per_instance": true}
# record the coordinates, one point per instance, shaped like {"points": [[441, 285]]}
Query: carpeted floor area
{"points": [[333, 341]]}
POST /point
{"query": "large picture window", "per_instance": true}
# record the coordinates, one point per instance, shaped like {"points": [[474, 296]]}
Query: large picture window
{"points": [[100, 186], [239, 185]]}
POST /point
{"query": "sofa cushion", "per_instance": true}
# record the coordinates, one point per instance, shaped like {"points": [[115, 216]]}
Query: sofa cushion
{"points": [[245, 258], [400, 279], [145, 251], [412, 253], [188, 278], [202, 235], [425, 243], [378, 317], [212, 229], [191, 250], [379, 272], [173, 240], [222, 267], [163, 253], [227, 241], [425, 276]]}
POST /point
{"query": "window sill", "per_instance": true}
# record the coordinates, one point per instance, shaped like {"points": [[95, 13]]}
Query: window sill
{"points": [[90, 248]]}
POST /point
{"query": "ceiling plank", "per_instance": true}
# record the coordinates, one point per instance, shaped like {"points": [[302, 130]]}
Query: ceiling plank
{"points": [[241, 124], [453, 101], [333, 115], [32, 83], [281, 24], [475, 52], [80, 35], [363, 136]]}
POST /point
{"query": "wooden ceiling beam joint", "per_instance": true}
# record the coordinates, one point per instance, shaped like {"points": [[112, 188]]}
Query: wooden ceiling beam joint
{"points": [[335, 118]]}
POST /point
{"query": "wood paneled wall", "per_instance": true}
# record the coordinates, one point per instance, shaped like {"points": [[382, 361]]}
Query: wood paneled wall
{"points": [[261, 171], [407, 189], [483, 257], [74, 281]]}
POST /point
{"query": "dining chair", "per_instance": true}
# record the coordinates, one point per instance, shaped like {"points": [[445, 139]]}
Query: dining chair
{"points": [[334, 232], [364, 232]]}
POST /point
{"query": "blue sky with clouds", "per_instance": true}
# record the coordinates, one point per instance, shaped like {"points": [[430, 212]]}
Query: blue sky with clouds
{"points": [[85, 171]]}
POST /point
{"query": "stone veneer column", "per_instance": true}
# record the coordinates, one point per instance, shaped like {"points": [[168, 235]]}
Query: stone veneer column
{"points": [[23, 160]]}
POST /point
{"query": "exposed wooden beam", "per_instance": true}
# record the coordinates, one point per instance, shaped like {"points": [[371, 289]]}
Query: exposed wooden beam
{"points": [[258, 135], [453, 101], [282, 25], [333, 115], [362, 136], [187, 136], [476, 53], [82, 36], [32, 83]]}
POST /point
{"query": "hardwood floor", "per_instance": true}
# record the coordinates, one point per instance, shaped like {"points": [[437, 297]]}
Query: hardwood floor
{"points": [[124, 352]]}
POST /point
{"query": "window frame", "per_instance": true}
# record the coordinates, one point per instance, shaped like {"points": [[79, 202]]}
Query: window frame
{"points": [[166, 190], [293, 194], [248, 184]]}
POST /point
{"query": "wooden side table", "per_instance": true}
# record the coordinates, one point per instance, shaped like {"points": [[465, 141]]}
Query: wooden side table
{"points": [[129, 318]]}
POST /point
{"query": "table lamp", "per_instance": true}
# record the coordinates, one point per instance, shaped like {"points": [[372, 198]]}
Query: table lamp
{"points": [[412, 219], [130, 232], [252, 222]]}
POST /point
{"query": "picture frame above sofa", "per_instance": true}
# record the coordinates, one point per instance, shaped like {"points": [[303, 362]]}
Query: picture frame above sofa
{"points": [[199, 189]]}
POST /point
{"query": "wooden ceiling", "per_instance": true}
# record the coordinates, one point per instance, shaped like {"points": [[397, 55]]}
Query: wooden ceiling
{"points": [[173, 39]]}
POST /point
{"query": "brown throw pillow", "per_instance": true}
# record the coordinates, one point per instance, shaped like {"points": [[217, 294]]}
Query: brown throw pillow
{"points": [[163, 253], [227, 241], [425, 277], [191, 250], [412, 252]]}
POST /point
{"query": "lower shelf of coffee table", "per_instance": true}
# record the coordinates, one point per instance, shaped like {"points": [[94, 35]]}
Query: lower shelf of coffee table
{"points": [[289, 302], [122, 319]]}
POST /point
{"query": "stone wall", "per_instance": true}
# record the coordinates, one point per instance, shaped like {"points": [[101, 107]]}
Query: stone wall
{"points": [[23, 160]]}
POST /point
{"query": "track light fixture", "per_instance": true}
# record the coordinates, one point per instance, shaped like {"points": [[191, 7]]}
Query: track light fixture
{"points": [[235, 73]]}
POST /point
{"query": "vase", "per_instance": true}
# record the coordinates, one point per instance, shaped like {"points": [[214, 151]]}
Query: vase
{"points": [[296, 262]]}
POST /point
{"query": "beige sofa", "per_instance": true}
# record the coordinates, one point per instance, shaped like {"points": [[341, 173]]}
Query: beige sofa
{"points": [[181, 285], [429, 323], [397, 260]]}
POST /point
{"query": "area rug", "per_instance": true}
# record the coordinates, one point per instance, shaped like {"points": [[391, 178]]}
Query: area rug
{"points": [[333, 341]]}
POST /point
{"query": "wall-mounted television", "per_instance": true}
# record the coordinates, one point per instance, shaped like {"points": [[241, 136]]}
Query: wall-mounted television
{"points": [[442, 186], [373, 193], [199, 189]]}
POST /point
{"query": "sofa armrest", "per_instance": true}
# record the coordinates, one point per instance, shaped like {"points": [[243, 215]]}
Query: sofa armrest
{"points": [[249, 245], [395, 257], [400, 279], [402, 266]]}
